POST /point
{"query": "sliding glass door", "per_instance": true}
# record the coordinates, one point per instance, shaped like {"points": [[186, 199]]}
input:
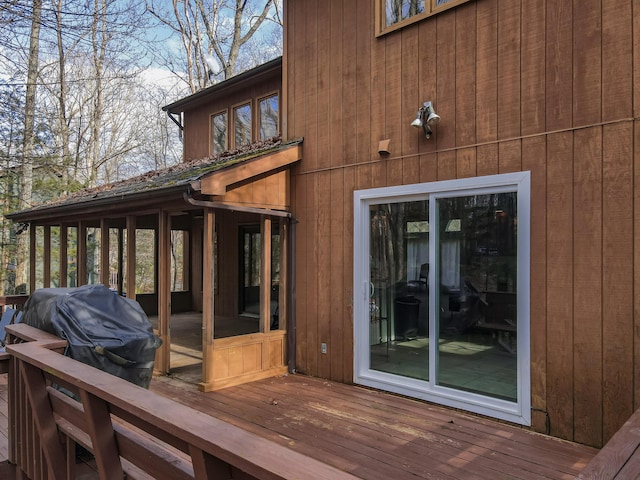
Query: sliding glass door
{"points": [[441, 282]]}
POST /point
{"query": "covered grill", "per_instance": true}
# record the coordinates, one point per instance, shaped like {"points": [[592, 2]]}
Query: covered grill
{"points": [[102, 329]]}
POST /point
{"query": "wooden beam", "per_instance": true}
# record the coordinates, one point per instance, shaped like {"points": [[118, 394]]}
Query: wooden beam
{"points": [[206, 465], [282, 281], [82, 253], [104, 252], [120, 261], [163, 272], [208, 296], [36, 390], [103, 440], [32, 258], [131, 257], [64, 252], [265, 287], [46, 260], [196, 265], [216, 183], [265, 274]]}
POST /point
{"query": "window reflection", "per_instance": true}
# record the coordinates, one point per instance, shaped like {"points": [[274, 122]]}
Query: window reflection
{"points": [[473, 306], [242, 125], [477, 324], [219, 133], [398, 10], [268, 117]]}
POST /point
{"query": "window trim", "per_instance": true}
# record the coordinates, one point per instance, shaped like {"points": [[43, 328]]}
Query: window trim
{"points": [[224, 111], [275, 93], [517, 412], [431, 10]]}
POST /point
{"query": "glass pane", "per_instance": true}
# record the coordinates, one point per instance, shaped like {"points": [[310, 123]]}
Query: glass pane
{"points": [[477, 324], [55, 257], [39, 256], [275, 276], [93, 255], [398, 10], [114, 252], [72, 257], [399, 297], [219, 133], [439, 3], [145, 261], [179, 238], [250, 268], [268, 117], [242, 125]]}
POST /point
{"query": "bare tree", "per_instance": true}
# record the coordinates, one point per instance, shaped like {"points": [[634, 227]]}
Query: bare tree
{"points": [[29, 134], [213, 33]]}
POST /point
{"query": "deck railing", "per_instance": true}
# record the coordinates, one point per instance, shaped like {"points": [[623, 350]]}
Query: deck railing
{"points": [[57, 403], [15, 301]]}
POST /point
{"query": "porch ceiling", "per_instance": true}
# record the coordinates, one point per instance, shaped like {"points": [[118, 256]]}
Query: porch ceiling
{"points": [[165, 186]]}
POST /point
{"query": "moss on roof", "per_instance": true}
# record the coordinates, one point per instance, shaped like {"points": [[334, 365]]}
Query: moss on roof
{"points": [[168, 178]]}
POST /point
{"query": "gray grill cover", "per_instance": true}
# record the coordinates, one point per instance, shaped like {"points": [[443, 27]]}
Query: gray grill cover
{"points": [[102, 329]]}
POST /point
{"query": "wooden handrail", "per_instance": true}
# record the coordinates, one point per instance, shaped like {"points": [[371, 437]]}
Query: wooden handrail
{"points": [[13, 300], [125, 426], [620, 457], [21, 332]]}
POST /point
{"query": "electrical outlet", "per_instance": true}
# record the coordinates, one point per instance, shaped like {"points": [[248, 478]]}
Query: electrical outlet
{"points": [[323, 348]]}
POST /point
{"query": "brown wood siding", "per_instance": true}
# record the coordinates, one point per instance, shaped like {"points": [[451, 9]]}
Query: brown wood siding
{"points": [[546, 87]]}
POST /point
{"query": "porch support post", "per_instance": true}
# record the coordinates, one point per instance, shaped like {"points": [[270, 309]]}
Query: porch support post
{"points": [[32, 258], [120, 261], [131, 257], [283, 284], [104, 252], [208, 296], [46, 261], [164, 291], [64, 252], [82, 253], [265, 280], [196, 262]]}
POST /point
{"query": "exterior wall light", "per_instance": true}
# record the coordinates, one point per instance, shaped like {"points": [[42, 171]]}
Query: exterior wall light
{"points": [[426, 118]]}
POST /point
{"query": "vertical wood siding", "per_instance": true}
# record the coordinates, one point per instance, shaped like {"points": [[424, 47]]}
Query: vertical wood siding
{"points": [[546, 87]]}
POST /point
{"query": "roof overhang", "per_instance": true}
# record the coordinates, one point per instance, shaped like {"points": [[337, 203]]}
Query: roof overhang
{"points": [[236, 81], [167, 187], [220, 181]]}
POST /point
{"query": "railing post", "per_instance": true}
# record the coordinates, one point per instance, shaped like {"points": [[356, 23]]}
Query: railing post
{"points": [[103, 439], [47, 429]]}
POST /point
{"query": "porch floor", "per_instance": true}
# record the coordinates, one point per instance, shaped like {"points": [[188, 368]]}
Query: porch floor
{"points": [[371, 434]]}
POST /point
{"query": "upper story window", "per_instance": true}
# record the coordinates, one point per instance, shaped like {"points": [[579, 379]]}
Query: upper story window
{"points": [[242, 125], [219, 133], [268, 117], [399, 10], [394, 14]]}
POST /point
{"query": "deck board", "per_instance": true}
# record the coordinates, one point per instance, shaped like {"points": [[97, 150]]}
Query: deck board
{"points": [[4, 422], [371, 434], [375, 435]]}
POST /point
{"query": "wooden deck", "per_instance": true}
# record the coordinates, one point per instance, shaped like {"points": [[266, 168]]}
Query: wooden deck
{"points": [[370, 434], [374, 435]]}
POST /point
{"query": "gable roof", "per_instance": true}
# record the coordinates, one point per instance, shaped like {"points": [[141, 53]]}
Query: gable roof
{"points": [[157, 184]]}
